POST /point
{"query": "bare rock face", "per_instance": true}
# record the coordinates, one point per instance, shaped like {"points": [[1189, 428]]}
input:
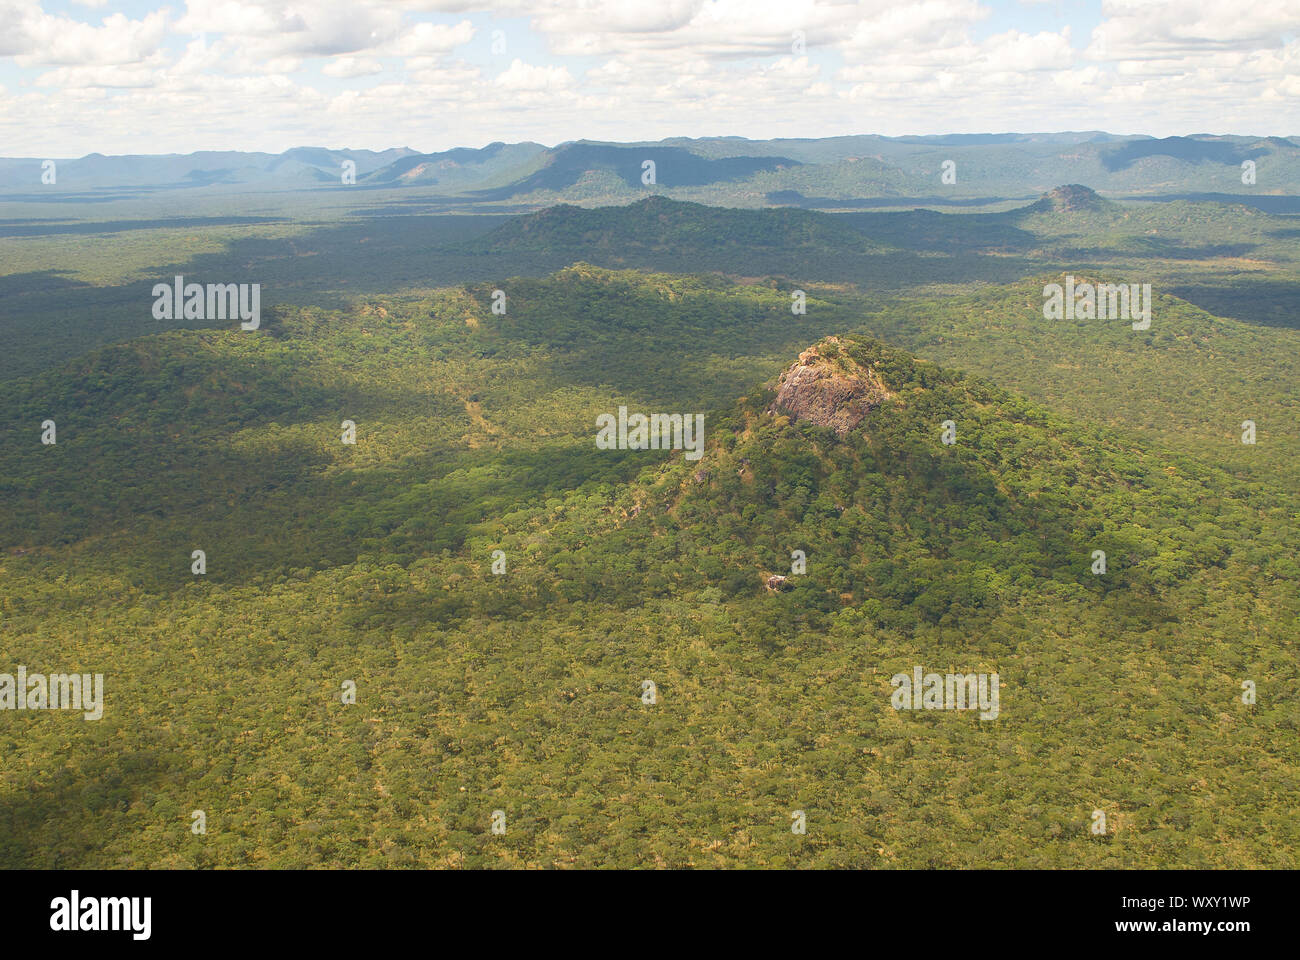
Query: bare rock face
{"points": [[824, 386]]}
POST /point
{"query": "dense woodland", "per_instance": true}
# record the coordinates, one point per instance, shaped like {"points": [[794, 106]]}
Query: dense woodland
{"points": [[521, 692]]}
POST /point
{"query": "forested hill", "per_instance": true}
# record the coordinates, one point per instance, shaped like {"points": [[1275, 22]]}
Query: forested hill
{"points": [[658, 223], [1071, 221]]}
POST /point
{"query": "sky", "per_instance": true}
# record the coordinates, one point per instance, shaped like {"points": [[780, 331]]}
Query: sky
{"points": [[82, 76]]}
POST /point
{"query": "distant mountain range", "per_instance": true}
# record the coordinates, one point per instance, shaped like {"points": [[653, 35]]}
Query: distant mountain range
{"points": [[829, 173]]}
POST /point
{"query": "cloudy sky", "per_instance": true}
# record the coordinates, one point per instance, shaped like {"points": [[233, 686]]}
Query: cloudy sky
{"points": [[78, 76]]}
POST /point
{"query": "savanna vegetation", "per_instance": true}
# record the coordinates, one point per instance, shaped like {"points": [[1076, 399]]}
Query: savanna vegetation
{"points": [[522, 691]]}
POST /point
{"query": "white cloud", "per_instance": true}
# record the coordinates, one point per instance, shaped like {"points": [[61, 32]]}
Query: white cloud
{"points": [[39, 39], [929, 24], [269, 28], [348, 67], [1144, 29], [525, 76], [101, 75], [1020, 52], [433, 39], [631, 69]]}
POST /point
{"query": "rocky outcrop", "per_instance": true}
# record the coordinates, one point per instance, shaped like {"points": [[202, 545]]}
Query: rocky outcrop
{"points": [[1068, 199], [828, 388]]}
